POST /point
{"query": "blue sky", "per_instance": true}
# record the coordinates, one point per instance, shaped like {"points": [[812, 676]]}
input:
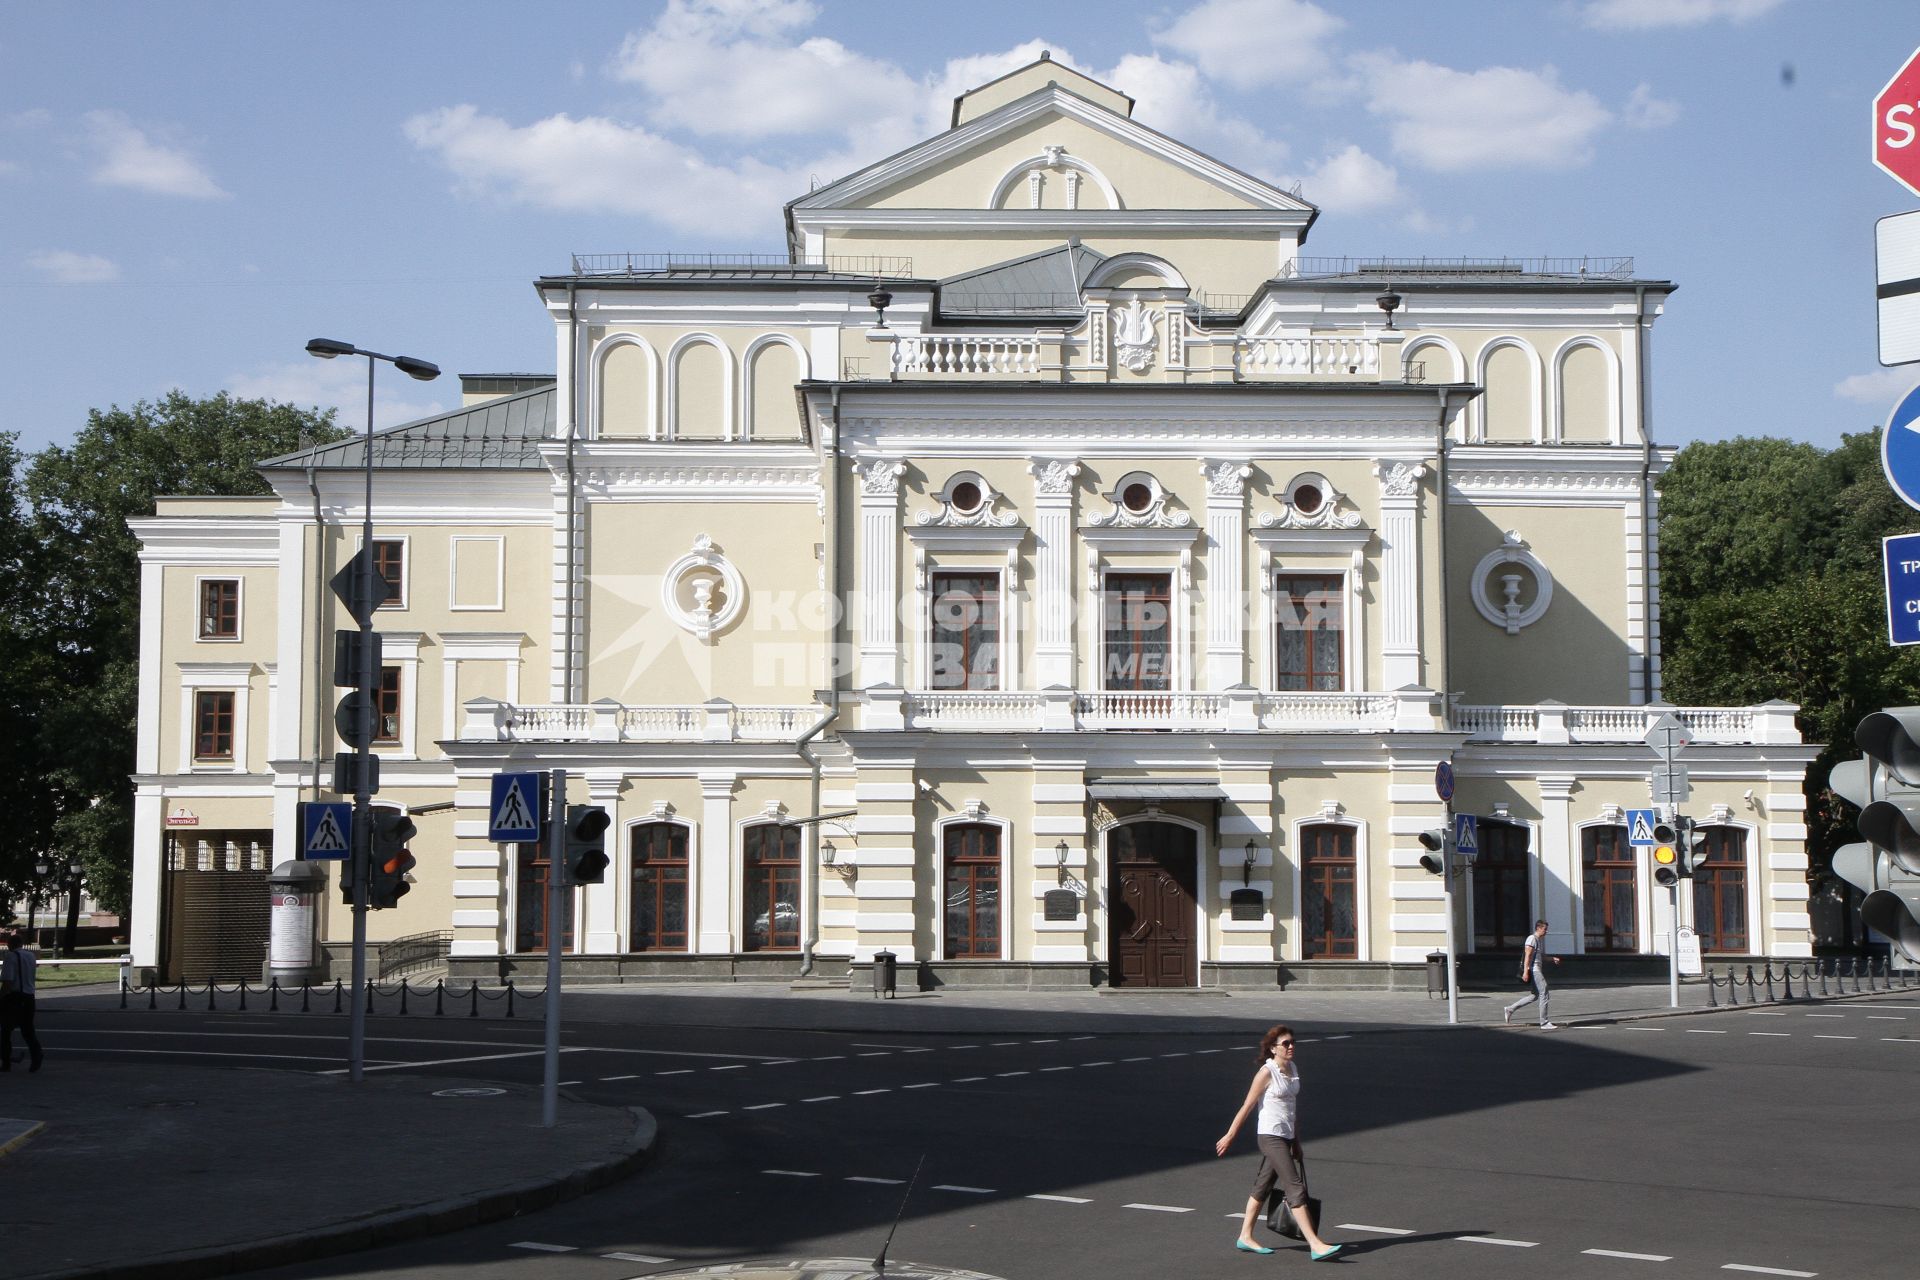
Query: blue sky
{"points": [[190, 191]]}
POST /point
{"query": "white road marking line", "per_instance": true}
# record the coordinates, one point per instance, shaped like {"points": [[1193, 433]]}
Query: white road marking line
{"points": [[1765, 1013], [1643, 1028], [862, 1093], [635, 1257], [1821, 1037], [885, 1053], [738, 1066], [833, 1057], [780, 1062], [435, 1062], [916, 1051], [1056, 1068], [1514, 1244], [790, 1173], [702, 1115], [1080, 1037], [1886, 1017], [968, 1079], [1826, 1015], [763, 1106], [873, 1044], [1004, 1074], [605, 1079], [1635, 1257], [543, 1248], [1104, 1063], [1148, 1058], [1769, 1033], [1703, 1031], [963, 1046], [972, 1191], [1053, 1041], [1361, 1226], [1158, 1208], [678, 1071], [885, 1182], [1899, 1040], [198, 1053], [825, 1097], [931, 1084], [1344, 1037], [1001, 1044], [1181, 1054], [1061, 1199], [559, 1084], [1769, 1271]]}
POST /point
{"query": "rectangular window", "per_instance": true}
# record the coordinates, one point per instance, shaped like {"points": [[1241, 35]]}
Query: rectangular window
{"points": [[1329, 912], [770, 869], [660, 868], [1137, 619], [390, 562], [219, 608], [213, 725], [1310, 633], [1608, 868], [973, 891], [965, 632], [386, 706], [531, 869]]}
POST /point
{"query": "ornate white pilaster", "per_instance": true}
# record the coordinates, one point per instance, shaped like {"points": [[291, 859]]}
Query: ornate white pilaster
{"points": [[880, 571], [599, 906], [1053, 570], [1226, 572], [712, 905], [1400, 571], [1559, 865]]}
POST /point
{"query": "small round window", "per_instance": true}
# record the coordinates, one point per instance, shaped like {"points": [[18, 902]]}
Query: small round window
{"points": [[1309, 493], [1137, 497], [1307, 499], [965, 497]]}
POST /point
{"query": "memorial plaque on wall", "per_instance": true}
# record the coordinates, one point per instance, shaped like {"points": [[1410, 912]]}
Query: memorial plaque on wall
{"points": [[1060, 904], [1248, 904]]}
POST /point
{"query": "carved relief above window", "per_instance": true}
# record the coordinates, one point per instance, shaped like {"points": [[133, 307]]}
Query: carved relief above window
{"points": [[1311, 502], [702, 591], [1510, 587], [1139, 503], [1135, 336], [967, 502]]}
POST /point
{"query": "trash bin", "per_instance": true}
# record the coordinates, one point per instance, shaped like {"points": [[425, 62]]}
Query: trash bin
{"points": [[886, 973], [1436, 973]]}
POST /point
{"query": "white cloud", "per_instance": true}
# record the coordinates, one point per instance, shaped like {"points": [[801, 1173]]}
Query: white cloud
{"points": [[1173, 98], [340, 385], [1250, 43], [599, 165], [1351, 181], [1644, 111], [129, 158], [1496, 118], [1882, 387], [63, 266], [1643, 15]]}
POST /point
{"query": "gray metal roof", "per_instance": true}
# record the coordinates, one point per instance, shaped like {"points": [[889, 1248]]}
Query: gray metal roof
{"points": [[1046, 282], [499, 435]]}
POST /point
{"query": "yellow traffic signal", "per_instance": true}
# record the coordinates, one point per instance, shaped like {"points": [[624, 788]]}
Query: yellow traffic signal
{"points": [[1666, 870]]}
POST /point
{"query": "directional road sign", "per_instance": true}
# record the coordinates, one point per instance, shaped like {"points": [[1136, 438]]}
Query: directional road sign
{"points": [[1900, 448], [1640, 826], [1902, 555], [1466, 835], [1443, 780], [326, 830], [1669, 736], [361, 587], [513, 814], [1896, 262]]}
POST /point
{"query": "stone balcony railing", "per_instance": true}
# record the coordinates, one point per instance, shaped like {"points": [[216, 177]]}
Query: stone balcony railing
{"points": [[1366, 356], [1555, 722], [610, 721]]}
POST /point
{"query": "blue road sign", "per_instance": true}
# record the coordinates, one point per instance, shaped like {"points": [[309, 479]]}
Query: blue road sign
{"points": [[1902, 552], [1900, 448], [326, 831], [1640, 826], [513, 815], [1443, 780], [1466, 834]]}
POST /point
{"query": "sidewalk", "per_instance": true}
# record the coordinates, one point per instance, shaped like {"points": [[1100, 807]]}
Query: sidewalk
{"points": [[173, 1172]]}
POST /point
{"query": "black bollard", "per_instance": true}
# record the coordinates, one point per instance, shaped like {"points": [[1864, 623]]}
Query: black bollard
{"points": [[123, 993], [403, 997], [339, 993], [305, 989], [1786, 980], [509, 997], [1712, 1001], [439, 997], [1769, 980], [473, 992]]}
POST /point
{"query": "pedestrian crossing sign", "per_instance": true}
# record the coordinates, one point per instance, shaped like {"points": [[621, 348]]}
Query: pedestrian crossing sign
{"points": [[1640, 824], [513, 815], [1466, 834], [326, 831]]}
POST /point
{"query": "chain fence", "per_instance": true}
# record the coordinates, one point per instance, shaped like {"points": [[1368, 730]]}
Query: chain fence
{"points": [[1879, 974], [394, 998]]}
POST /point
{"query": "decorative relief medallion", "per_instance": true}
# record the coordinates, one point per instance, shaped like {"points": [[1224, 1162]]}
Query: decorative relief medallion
{"points": [[1139, 503], [1398, 479], [702, 591], [880, 477], [1513, 563], [1135, 335], [1053, 477], [967, 502], [1225, 479], [1311, 502]]}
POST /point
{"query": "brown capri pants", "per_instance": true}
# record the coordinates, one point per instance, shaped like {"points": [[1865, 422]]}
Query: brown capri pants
{"points": [[1281, 1162]]}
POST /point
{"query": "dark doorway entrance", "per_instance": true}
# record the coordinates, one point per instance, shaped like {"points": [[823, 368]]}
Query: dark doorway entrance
{"points": [[1154, 886]]}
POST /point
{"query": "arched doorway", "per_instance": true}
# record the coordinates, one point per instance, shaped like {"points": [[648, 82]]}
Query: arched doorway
{"points": [[1153, 887]]}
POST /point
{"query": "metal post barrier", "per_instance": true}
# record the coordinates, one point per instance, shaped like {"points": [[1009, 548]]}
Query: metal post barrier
{"points": [[473, 991], [243, 995], [1712, 1001], [439, 997], [1821, 969], [1786, 978], [509, 997], [1769, 966], [1733, 992], [123, 993], [273, 993], [339, 993], [403, 997]]}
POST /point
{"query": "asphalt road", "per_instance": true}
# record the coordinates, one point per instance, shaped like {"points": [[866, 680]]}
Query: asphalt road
{"points": [[1751, 1141]]}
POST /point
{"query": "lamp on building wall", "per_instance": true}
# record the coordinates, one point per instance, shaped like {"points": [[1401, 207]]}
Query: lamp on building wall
{"points": [[1246, 867], [880, 300], [827, 852], [1389, 302]]}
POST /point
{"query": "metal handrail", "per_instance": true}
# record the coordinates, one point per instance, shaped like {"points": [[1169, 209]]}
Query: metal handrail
{"points": [[1396, 270], [772, 264]]}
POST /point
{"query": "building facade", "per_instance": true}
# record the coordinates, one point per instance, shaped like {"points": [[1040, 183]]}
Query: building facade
{"points": [[1042, 572]]}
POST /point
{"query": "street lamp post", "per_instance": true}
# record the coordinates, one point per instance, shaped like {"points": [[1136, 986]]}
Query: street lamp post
{"points": [[327, 349], [75, 870], [40, 870]]}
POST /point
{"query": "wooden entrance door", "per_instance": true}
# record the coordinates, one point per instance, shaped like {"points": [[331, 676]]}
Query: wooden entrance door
{"points": [[1155, 868]]}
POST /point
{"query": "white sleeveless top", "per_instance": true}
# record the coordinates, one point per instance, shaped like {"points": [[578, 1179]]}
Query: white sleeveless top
{"points": [[1277, 1103]]}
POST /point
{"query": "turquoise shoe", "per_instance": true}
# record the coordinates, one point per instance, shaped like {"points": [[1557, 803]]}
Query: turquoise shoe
{"points": [[1244, 1247], [1321, 1255]]}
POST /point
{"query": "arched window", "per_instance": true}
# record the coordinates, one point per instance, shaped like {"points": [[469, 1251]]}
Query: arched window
{"points": [[1329, 909], [770, 870], [1607, 889], [659, 867], [972, 882], [1720, 891], [531, 870], [1502, 918]]}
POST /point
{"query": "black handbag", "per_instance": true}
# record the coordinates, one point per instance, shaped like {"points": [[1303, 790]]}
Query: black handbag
{"points": [[1280, 1214]]}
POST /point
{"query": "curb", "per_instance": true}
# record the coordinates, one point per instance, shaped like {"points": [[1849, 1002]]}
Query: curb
{"points": [[388, 1228], [15, 1133], [1595, 1019]]}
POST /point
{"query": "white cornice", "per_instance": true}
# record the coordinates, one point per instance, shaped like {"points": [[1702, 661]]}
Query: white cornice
{"points": [[1037, 219], [224, 540], [1545, 475], [420, 497]]}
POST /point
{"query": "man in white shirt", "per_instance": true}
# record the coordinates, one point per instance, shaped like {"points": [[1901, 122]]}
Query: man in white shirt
{"points": [[1533, 966], [17, 966]]}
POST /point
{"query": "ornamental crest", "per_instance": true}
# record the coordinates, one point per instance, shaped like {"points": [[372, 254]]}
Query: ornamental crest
{"points": [[1053, 477], [880, 477], [1135, 336]]}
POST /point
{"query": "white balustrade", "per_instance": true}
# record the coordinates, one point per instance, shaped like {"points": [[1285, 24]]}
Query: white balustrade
{"points": [[1326, 710], [1128, 709], [1304, 358], [1606, 724], [973, 709], [966, 354]]}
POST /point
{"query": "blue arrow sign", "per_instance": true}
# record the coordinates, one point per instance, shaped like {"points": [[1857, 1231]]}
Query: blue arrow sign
{"points": [[1902, 554], [1466, 834], [513, 815], [1900, 448], [1640, 826], [326, 831]]}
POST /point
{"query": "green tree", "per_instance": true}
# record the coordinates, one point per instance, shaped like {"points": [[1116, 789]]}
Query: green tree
{"points": [[27, 678], [82, 496]]}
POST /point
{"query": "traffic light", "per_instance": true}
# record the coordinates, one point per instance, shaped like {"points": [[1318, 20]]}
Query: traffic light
{"points": [[391, 859], [1691, 845], [1666, 854], [586, 843], [348, 886], [1438, 843], [1885, 784]]}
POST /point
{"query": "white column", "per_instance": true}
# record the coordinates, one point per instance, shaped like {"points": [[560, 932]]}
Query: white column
{"points": [[599, 906], [149, 848], [1400, 571], [1226, 572], [1559, 866], [1053, 570], [880, 571], [712, 905]]}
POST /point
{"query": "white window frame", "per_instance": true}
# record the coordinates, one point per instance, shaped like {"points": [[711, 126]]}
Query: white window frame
{"points": [[925, 596], [240, 607], [402, 649], [1315, 551], [1295, 950], [1349, 611], [400, 604], [623, 865], [499, 573], [215, 677]]}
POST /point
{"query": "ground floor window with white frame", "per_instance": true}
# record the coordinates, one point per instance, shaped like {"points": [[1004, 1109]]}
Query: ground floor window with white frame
{"points": [[658, 866], [1329, 892], [971, 855], [1720, 892]]}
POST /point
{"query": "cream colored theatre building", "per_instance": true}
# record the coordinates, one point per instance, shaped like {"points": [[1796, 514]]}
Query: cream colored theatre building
{"points": [[1042, 572]]}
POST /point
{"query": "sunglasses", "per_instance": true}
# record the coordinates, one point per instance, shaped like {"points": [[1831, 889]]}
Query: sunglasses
{"points": [[1284, 1044]]}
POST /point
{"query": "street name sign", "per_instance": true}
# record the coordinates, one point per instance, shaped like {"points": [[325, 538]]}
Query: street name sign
{"points": [[1640, 826], [1896, 269], [326, 830], [1896, 125], [1902, 555], [513, 813], [1900, 448]]}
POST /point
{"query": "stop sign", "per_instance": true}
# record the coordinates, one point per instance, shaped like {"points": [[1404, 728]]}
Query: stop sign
{"points": [[1896, 125]]}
